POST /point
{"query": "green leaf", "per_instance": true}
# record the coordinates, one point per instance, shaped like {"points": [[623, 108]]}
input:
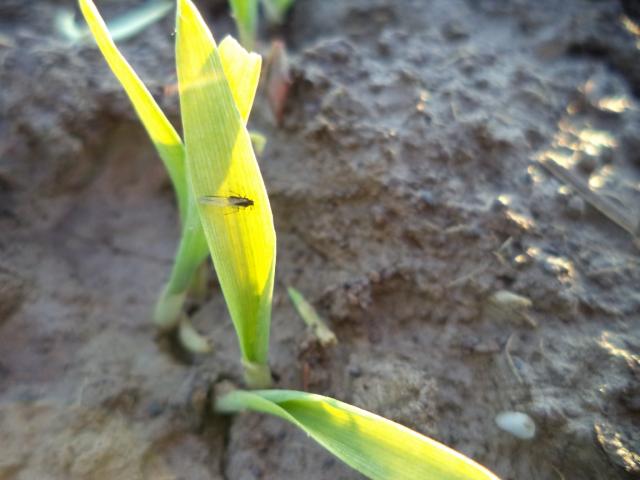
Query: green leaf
{"points": [[221, 165], [276, 9], [325, 336], [125, 26], [259, 142], [193, 249], [243, 73], [245, 13], [376, 447]]}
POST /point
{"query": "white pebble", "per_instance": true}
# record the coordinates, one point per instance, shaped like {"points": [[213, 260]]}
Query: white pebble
{"points": [[518, 424]]}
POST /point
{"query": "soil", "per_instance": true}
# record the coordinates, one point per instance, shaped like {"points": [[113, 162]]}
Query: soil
{"points": [[461, 277]]}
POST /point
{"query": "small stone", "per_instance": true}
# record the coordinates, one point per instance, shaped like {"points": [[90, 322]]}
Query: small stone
{"points": [[384, 45], [12, 294], [352, 298], [379, 215], [497, 206], [198, 400], [155, 409], [608, 155], [587, 163], [518, 424], [633, 404], [426, 199], [525, 179], [522, 260], [487, 346], [374, 277], [572, 411], [506, 300], [576, 207], [454, 30], [631, 399]]}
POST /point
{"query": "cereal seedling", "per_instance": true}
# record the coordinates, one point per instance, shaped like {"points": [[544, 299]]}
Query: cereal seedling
{"points": [[276, 9], [192, 249], [221, 166], [248, 298], [317, 326], [224, 205], [246, 13]]}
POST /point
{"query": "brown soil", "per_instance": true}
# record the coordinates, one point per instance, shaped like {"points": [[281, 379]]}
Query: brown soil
{"points": [[407, 190]]}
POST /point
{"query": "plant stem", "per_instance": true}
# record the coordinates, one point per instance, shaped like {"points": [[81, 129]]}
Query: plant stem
{"points": [[256, 375], [192, 251]]}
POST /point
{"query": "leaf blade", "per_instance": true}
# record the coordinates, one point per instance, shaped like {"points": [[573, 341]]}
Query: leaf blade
{"points": [[276, 9], [162, 133], [309, 315], [245, 13], [244, 76], [221, 162], [242, 70], [373, 445]]}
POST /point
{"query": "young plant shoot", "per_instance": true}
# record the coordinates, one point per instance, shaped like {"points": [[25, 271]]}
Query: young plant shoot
{"points": [[276, 9], [246, 13], [192, 249], [241, 74], [224, 206], [317, 326], [221, 165], [120, 28]]}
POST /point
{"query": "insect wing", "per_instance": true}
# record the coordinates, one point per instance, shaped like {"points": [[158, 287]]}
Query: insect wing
{"points": [[216, 201], [232, 201]]}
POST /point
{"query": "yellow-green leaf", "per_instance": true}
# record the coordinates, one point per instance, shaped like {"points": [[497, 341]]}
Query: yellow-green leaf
{"points": [[245, 13], [221, 165], [244, 74], [163, 135], [242, 70], [318, 327], [276, 9], [376, 447]]}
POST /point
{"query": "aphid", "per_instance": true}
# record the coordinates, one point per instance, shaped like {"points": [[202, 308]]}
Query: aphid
{"points": [[231, 201]]}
